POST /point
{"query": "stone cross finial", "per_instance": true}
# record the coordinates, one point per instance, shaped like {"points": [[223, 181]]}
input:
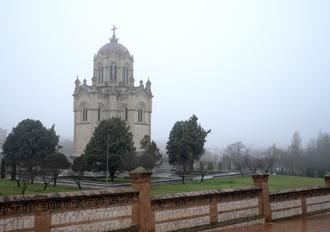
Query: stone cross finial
{"points": [[114, 28], [114, 39]]}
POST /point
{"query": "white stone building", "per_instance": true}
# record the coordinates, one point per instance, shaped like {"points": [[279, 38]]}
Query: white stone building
{"points": [[111, 94]]}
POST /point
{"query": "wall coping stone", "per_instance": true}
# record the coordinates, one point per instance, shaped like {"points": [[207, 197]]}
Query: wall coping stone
{"points": [[141, 170], [299, 190], [215, 192], [58, 195]]}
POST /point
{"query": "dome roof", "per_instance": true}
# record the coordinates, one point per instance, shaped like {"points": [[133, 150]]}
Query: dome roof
{"points": [[114, 48]]}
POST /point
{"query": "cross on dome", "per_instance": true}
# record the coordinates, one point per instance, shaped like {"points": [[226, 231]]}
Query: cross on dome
{"points": [[114, 28], [114, 39]]}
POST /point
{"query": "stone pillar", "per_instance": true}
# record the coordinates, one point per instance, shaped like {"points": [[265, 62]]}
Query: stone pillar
{"points": [[262, 182], [327, 180], [42, 221], [141, 182], [303, 205], [214, 211]]}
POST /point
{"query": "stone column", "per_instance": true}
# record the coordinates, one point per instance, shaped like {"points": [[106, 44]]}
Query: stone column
{"points": [[261, 180], [141, 182], [327, 180]]}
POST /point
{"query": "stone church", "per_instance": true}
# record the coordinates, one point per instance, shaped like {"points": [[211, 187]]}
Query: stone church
{"points": [[112, 93]]}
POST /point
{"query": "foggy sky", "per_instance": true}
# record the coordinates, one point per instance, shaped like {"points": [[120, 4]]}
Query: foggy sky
{"points": [[252, 71]]}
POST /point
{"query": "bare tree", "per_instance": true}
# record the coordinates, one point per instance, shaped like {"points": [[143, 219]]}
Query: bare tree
{"points": [[237, 152], [202, 167], [294, 160], [78, 168]]}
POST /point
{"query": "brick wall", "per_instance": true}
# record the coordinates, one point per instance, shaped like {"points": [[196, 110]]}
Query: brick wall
{"points": [[133, 209], [209, 209], [300, 202], [99, 210]]}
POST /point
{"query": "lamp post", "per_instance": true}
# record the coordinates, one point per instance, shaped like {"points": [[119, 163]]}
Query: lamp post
{"points": [[107, 174]]}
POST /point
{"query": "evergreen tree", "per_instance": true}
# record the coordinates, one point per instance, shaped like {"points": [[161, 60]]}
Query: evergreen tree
{"points": [[111, 136]]}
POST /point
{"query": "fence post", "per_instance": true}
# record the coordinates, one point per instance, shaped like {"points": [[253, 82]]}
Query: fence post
{"points": [[141, 179], [327, 180], [261, 180]]}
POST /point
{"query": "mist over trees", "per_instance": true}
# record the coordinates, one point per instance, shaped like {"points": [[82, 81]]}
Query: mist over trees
{"points": [[311, 159]]}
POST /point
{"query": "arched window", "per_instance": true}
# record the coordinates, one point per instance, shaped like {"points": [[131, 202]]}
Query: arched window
{"points": [[126, 75], [115, 73], [100, 72], [126, 114], [99, 114], [140, 115], [84, 114], [111, 71]]}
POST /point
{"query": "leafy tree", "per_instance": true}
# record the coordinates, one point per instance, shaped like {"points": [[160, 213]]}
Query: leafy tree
{"points": [[28, 144], [52, 166], [237, 152], [115, 135], [78, 167], [151, 156], [186, 145], [130, 161]]}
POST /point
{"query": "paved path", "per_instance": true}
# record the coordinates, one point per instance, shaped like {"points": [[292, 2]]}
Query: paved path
{"points": [[319, 223]]}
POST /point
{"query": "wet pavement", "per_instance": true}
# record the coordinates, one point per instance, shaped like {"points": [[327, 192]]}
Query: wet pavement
{"points": [[320, 223]]}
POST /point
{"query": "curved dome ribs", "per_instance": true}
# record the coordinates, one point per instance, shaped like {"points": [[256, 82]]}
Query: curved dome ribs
{"points": [[114, 48], [113, 64]]}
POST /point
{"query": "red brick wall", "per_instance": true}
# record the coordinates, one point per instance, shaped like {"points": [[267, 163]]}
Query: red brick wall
{"points": [[209, 209], [133, 209], [300, 202], [72, 211]]}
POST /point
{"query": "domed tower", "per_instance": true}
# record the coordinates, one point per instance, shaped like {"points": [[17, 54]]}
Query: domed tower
{"points": [[113, 64], [112, 93]]}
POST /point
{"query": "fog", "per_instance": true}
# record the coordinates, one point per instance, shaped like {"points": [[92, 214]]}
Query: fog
{"points": [[252, 71]]}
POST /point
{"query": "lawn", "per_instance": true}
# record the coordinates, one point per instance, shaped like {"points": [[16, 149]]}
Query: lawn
{"points": [[121, 180], [10, 188], [276, 183]]}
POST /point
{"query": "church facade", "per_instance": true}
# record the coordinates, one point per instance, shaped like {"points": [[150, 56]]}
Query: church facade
{"points": [[112, 93]]}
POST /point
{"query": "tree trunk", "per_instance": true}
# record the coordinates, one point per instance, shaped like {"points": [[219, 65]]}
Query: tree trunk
{"points": [[45, 186], [18, 183], [24, 187], [55, 178], [3, 169], [182, 178], [31, 174], [13, 171], [241, 172], [112, 176], [79, 186]]}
